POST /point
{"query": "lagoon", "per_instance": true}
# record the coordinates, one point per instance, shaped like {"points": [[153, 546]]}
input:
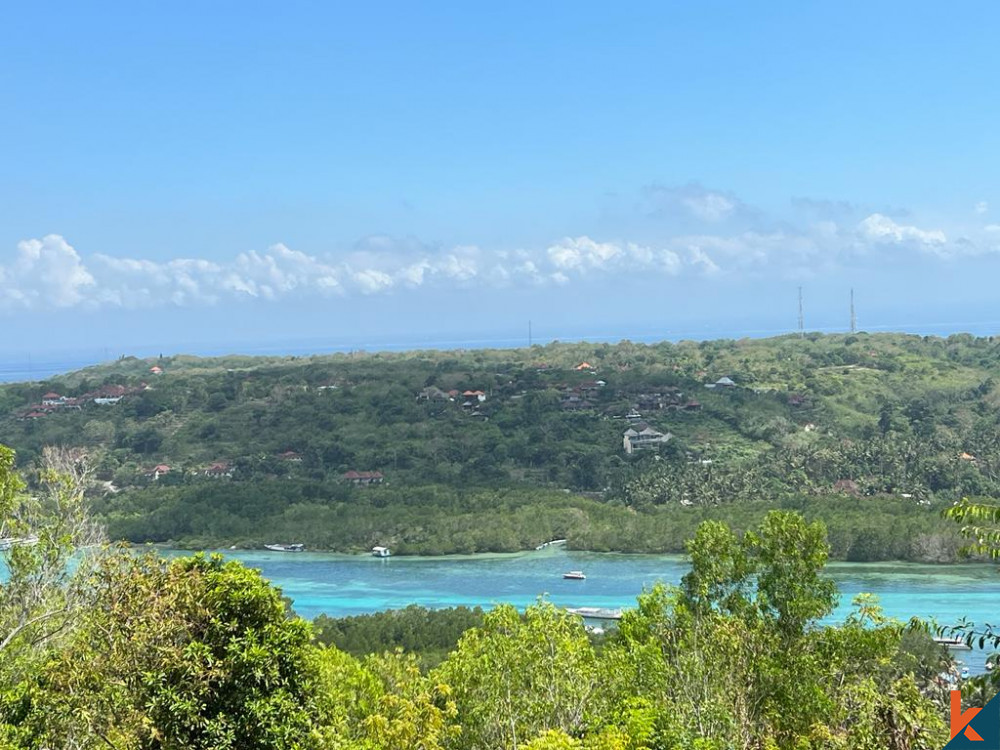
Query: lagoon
{"points": [[339, 585]]}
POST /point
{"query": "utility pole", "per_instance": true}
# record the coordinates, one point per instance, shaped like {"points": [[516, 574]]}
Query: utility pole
{"points": [[802, 320], [854, 318]]}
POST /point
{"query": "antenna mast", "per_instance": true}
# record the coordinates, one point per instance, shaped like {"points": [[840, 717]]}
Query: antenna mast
{"points": [[802, 323], [529, 334], [854, 319]]}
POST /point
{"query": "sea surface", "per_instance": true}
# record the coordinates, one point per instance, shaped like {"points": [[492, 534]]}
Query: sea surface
{"points": [[338, 585], [39, 362]]}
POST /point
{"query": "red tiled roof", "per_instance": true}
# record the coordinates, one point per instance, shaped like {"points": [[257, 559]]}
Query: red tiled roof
{"points": [[51, 395], [363, 475]]}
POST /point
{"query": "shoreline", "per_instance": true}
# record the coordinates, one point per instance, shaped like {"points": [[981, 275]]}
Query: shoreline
{"points": [[547, 552]]}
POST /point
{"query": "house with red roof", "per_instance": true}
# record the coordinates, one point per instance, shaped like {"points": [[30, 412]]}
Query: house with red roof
{"points": [[158, 471], [364, 478], [220, 469]]}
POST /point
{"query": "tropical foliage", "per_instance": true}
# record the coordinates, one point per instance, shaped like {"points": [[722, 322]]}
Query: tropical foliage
{"points": [[202, 653], [840, 428]]}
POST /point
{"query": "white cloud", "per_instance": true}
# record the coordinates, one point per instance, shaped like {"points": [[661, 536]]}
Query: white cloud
{"points": [[710, 206], [48, 273], [880, 228], [280, 271], [370, 280], [693, 201], [460, 264], [413, 274], [582, 253], [981, 207], [701, 259]]}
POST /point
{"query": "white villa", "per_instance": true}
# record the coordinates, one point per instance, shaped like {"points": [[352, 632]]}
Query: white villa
{"points": [[641, 436]]}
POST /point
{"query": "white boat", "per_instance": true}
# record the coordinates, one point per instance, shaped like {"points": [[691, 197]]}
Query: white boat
{"points": [[380, 552], [575, 575], [8, 542], [285, 547], [553, 543], [596, 613], [956, 644]]}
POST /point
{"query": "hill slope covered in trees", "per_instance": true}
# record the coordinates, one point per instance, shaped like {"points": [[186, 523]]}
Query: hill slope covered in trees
{"points": [[493, 450]]}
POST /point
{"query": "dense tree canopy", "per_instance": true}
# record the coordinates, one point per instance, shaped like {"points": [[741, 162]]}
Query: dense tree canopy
{"points": [[841, 428], [198, 652]]}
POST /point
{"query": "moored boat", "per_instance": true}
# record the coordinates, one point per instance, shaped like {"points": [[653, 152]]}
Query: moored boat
{"points": [[575, 575], [596, 613], [285, 547], [7, 542], [380, 552], [956, 644], [553, 543]]}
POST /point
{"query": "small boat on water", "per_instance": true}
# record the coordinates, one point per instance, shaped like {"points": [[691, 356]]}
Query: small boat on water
{"points": [[380, 552], [955, 644], [8, 542], [596, 613], [553, 543], [575, 575], [285, 547]]}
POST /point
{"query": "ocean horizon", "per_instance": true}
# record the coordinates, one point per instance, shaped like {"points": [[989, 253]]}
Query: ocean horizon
{"points": [[32, 366]]}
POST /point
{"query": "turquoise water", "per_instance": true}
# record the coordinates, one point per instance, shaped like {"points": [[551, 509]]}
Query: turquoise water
{"points": [[337, 585]]}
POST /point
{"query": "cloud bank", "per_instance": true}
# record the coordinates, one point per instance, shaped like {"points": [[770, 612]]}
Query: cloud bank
{"points": [[704, 233]]}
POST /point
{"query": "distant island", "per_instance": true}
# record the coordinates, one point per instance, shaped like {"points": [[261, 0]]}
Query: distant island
{"points": [[624, 447]]}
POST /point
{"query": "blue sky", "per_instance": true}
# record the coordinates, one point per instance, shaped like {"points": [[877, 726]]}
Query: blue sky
{"points": [[182, 174]]}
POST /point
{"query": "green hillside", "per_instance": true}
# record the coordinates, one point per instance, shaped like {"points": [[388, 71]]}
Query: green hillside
{"points": [[874, 434]]}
